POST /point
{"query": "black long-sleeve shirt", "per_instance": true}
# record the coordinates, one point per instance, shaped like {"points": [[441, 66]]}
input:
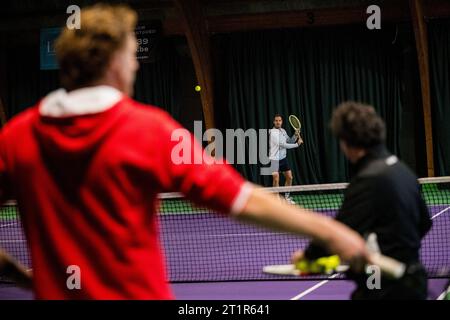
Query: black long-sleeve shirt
{"points": [[384, 197]]}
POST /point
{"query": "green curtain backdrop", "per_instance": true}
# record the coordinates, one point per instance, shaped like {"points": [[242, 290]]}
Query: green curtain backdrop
{"points": [[439, 53], [157, 83], [26, 84], [307, 73]]}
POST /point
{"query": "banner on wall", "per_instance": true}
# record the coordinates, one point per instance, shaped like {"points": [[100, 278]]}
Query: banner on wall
{"points": [[47, 49], [148, 35]]}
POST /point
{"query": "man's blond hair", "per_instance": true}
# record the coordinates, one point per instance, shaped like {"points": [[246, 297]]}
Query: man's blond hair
{"points": [[84, 54]]}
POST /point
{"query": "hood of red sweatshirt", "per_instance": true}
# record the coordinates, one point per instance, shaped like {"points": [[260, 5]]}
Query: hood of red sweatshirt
{"points": [[73, 125]]}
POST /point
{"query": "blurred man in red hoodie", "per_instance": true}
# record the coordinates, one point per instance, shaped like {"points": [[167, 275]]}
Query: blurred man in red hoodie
{"points": [[87, 162]]}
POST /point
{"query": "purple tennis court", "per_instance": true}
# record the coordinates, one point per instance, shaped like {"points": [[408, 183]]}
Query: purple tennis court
{"points": [[210, 256], [254, 290], [241, 263]]}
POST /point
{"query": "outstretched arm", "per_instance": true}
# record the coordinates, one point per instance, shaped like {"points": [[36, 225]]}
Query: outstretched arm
{"points": [[289, 145], [267, 210]]}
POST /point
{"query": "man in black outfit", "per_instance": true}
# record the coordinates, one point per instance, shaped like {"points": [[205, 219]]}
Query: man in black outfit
{"points": [[384, 198]]}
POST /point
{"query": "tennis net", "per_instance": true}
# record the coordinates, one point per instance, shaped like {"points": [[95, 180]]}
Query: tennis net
{"points": [[200, 246]]}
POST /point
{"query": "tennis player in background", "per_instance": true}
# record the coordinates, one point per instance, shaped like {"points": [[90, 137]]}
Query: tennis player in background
{"points": [[87, 162], [279, 142], [384, 198]]}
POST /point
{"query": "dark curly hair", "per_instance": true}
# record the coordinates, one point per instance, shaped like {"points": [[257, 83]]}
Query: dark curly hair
{"points": [[358, 125]]}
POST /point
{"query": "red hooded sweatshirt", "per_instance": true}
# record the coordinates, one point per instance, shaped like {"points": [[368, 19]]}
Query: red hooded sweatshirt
{"points": [[85, 168]]}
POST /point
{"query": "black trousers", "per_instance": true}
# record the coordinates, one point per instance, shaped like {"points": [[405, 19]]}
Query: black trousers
{"points": [[412, 286]]}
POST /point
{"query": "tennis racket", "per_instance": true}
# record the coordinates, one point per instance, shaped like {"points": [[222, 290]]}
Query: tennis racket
{"points": [[328, 265], [391, 267], [295, 123], [309, 267]]}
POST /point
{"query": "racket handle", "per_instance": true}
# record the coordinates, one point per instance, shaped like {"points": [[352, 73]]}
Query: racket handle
{"points": [[389, 266]]}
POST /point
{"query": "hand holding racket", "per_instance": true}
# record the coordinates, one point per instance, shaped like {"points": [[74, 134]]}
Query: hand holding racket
{"points": [[11, 269], [303, 267], [299, 140], [331, 264]]}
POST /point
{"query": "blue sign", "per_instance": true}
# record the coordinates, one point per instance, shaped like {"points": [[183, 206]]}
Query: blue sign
{"points": [[48, 55]]}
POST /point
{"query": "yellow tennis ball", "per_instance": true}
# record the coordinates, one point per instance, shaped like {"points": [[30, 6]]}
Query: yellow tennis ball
{"points": [[323, 265], [328, 264], [303, 266], [198, 88]]}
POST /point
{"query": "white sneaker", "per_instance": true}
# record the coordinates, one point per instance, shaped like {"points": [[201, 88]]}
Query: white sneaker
{"points": [[289, 199]]}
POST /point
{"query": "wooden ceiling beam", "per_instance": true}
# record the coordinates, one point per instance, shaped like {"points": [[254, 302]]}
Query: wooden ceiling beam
{"points": [[391, 12], [197, 35], [420, 32]]}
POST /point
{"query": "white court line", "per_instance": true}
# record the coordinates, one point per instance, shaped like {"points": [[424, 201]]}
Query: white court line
{"points": [[320, 284], [225, 235], [308, 291], [8, 224], [443, 294], [440, 212]]}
